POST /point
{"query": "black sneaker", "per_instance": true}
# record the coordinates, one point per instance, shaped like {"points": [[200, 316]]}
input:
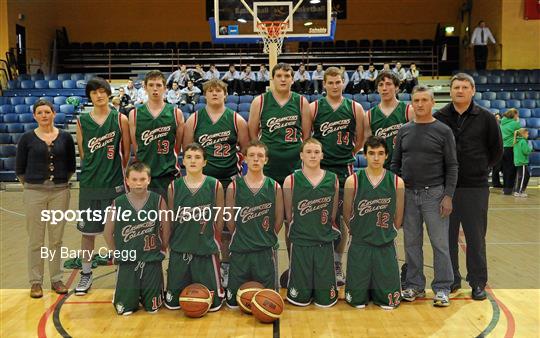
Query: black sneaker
{"points": [[340, 275], [85, 283], [403, 276], [455, 287], [284, 279], [478, 293]]}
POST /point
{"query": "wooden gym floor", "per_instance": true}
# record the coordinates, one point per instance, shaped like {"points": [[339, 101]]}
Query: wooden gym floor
{"points": [[512, 308]]}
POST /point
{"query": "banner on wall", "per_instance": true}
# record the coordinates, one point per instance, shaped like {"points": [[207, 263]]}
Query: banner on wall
{"points": [[532, 10]]}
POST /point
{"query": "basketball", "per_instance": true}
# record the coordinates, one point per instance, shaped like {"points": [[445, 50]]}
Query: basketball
{"points": [[267, 305], [245, 294], [195, 300]]}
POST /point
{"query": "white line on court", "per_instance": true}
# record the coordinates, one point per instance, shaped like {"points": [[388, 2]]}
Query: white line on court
{"points": [[12, 212]]}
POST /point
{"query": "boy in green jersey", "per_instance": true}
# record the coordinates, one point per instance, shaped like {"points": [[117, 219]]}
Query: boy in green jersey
{"points": [[197, 201], [103, 141], [156, 133], [338, 125], [373, 211], [310, 196], [260, 203], [133, 235]]}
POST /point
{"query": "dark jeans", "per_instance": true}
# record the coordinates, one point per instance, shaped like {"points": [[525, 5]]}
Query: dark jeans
{"points": [[302, 87], [470, 211], [495, 174], [522, 178], [480, 56], [509, 170]]}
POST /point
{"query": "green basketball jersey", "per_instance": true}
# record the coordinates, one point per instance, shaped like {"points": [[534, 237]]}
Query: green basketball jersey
{"points": [[220, 140], [387, 127], [255, 223], [336, 130], [374, 208], [312, 210], [156, 140], [281, 131], [101, 166], [141, 235], [193, 228]]}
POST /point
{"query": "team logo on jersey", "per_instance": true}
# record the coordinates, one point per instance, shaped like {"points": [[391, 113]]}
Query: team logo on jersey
{"points": [[120, 308], [293, 292], [348, 297], [389, 131], [148, 136], [206, 140], [368, 206], [307, 206], [96, 143], [229, 294], [332, 292], [249, 213], [331, 127], [168, 297], [281, 122], [135, 230]]}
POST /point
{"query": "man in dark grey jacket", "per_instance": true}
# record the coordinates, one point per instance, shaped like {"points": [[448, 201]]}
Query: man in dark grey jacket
{"points": [[479, 146], [425, 157]]}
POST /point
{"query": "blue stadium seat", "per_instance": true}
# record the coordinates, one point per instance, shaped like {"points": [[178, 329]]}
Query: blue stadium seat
{"points": [[533, 133], [374, 97], [533, 122], [1, 118], [494, 110], [535, 144], [60, 118], [513, 104], [532, 95], [14, 84], [81, 84], [30, 100], [17, 100], [16, 137], [26, 118], [9, 163], [360, 97], [3, 100], [521, 78], [64, 76], [484, 103], [5, 139], [67, 109], [89, 76], [27, 84], [244, 106], [499, 104], [8, 150], [494, 79], [518, 95], [524, 113], [22, 109], [503, 96], [490, 96], [477, 96], [348, 96], [523, 123], [50, 77], [186, 108], [202, 99], [244, 114], [47, 98], [59, 100], [361, 161], [199, 106], [528, 103], [23, 77], [11, 118], [506, 79], [232, 106], [29, 126], [69, 84], [37, 77], [534, 163], [246, 99], [232, 99], [6, 109], [366, 105], [41, 84], [535, 112], [55, 84], [77, 76], [404, 96]]}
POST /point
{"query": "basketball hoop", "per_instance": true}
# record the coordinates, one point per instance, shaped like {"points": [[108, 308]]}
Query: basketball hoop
{"points": [[272, 33]]}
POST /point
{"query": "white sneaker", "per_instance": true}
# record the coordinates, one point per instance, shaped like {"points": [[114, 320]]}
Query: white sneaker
{"points": [[224, 269], [441, 299], [85, 283], [340, 276]]}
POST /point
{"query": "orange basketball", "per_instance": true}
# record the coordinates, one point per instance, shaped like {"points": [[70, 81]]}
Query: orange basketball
{"points": [[267, 305], [245, 293], [196, 300]]}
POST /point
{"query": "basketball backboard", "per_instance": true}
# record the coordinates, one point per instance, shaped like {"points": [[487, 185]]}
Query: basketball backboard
{"points": [[234, 23]]}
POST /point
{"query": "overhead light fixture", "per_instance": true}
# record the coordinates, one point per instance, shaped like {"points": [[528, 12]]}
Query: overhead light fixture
{"points": [[307, 24], [314, 2], [242, 20], [449, 30]]}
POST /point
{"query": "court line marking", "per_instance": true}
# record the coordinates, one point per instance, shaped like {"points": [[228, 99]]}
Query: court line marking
{"points": [[12, 212]]}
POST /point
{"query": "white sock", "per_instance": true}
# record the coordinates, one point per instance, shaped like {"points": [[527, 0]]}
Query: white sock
{"points": [[337, 257], [86, 267]]}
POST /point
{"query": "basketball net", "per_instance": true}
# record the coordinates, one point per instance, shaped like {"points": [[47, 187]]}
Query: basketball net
{"points": [[272, 33]]}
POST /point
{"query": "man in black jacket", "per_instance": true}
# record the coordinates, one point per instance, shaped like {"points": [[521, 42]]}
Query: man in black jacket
{"points": [[478, 146]]}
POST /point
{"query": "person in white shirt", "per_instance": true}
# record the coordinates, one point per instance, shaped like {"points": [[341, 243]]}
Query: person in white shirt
{"points": [[142, 95], [212, 73], [401, 74], [317, 78], [263, 79], [480, 38], [174, 94], [345, 77], [131, 91], [190, 94], [247, 81], [370, 75], [411, 78], [357, 84], [231, 78], [302, 80], [197, 75], [179, 76]]}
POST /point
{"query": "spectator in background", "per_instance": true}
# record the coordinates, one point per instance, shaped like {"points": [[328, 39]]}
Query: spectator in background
{"points": [[302, 80], [131, 91], [247, 81], [44, 164], [370, 75], [358, 82], [522, 149], [509, 125], [480, 38], [125, 101], [346, 78], [317, 78], [401, 74], [115, 102], [411, 78], [263, 79], [179, 76], [212, 73], [142, 95], [190, 94], [198, 76], [174, 94], [231, 78]]}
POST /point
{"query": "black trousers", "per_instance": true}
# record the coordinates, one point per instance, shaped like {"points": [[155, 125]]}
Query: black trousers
{"points": [[480, 56], [470, 211], [522, 178], [495, 174], [509, 170]]}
